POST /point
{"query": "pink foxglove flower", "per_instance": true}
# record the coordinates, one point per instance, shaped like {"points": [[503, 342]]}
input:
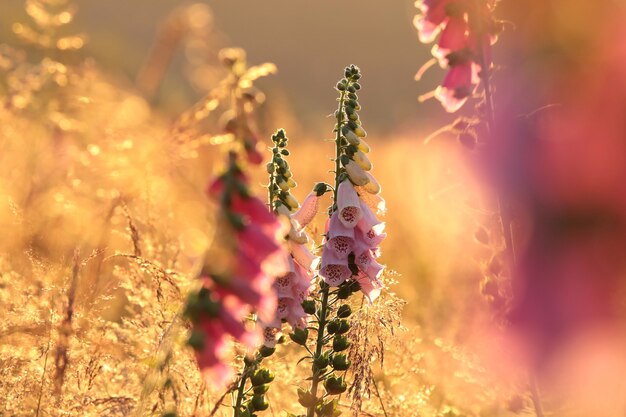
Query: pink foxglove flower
{"points": [[348, 204], [307, 210], [467, 32], [334, 268], [293, 287], [340, 238], [249, 236]]}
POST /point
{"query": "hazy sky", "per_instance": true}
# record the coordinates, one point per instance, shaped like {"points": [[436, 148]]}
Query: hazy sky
{"points": [[310, 41]]}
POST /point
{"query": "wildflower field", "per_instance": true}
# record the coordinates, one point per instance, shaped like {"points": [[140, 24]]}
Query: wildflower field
{"points": [[288, 208]]}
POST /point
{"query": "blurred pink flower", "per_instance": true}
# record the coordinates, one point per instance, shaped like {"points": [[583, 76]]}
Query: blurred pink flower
{"points": [[251, 234], [467, 32]]}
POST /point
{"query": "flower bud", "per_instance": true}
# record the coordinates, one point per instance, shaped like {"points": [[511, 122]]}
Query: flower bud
{"points": [[340, 362], [291, 201], [261, 389], [360, 132], [362, 160], [270, 168], [372, 187], [363, 146], [333, 327], [259, 403], [334, 385], [356, 173], [308, 306], [321, 362], [282, 183], [350, 136], [299, 336], [340, 343], [344, 311], [291, 183], [344, 327], [196, 340], [266, 351]]}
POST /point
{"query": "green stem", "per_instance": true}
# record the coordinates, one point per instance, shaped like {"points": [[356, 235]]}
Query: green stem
{"points": [[240, 390], [326, 289]]}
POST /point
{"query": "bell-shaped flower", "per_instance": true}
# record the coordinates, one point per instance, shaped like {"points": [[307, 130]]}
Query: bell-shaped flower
{"points": [[371, 288], [339, 237], [348, 204], [334, 270], [307, 210]]}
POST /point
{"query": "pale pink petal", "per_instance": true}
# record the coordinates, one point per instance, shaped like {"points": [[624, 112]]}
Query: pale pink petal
{"points": [[348, 204], [333, 269], [339, 237], [302, 255], [370, 288], [307, 210]]}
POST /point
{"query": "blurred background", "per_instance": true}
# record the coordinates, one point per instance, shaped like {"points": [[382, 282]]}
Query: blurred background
{"points": [[309, 41], [95, 178]]}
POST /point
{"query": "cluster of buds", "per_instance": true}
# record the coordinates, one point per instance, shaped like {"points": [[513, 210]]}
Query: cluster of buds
{"points": [[292, 288], [238, 281], [464, 48], [353, 232]]}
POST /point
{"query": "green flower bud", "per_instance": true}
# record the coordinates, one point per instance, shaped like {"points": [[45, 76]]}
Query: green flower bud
{"points": [[321, 362], [270, 168], [343, 292], [344, 311], [259, 403], [261, 376], [340, 343], [344, 327], [266, 351], [299, 336], [334, 385], [341, 362], [308, 306], [261, 389], [333, 327], [284, 152]]}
